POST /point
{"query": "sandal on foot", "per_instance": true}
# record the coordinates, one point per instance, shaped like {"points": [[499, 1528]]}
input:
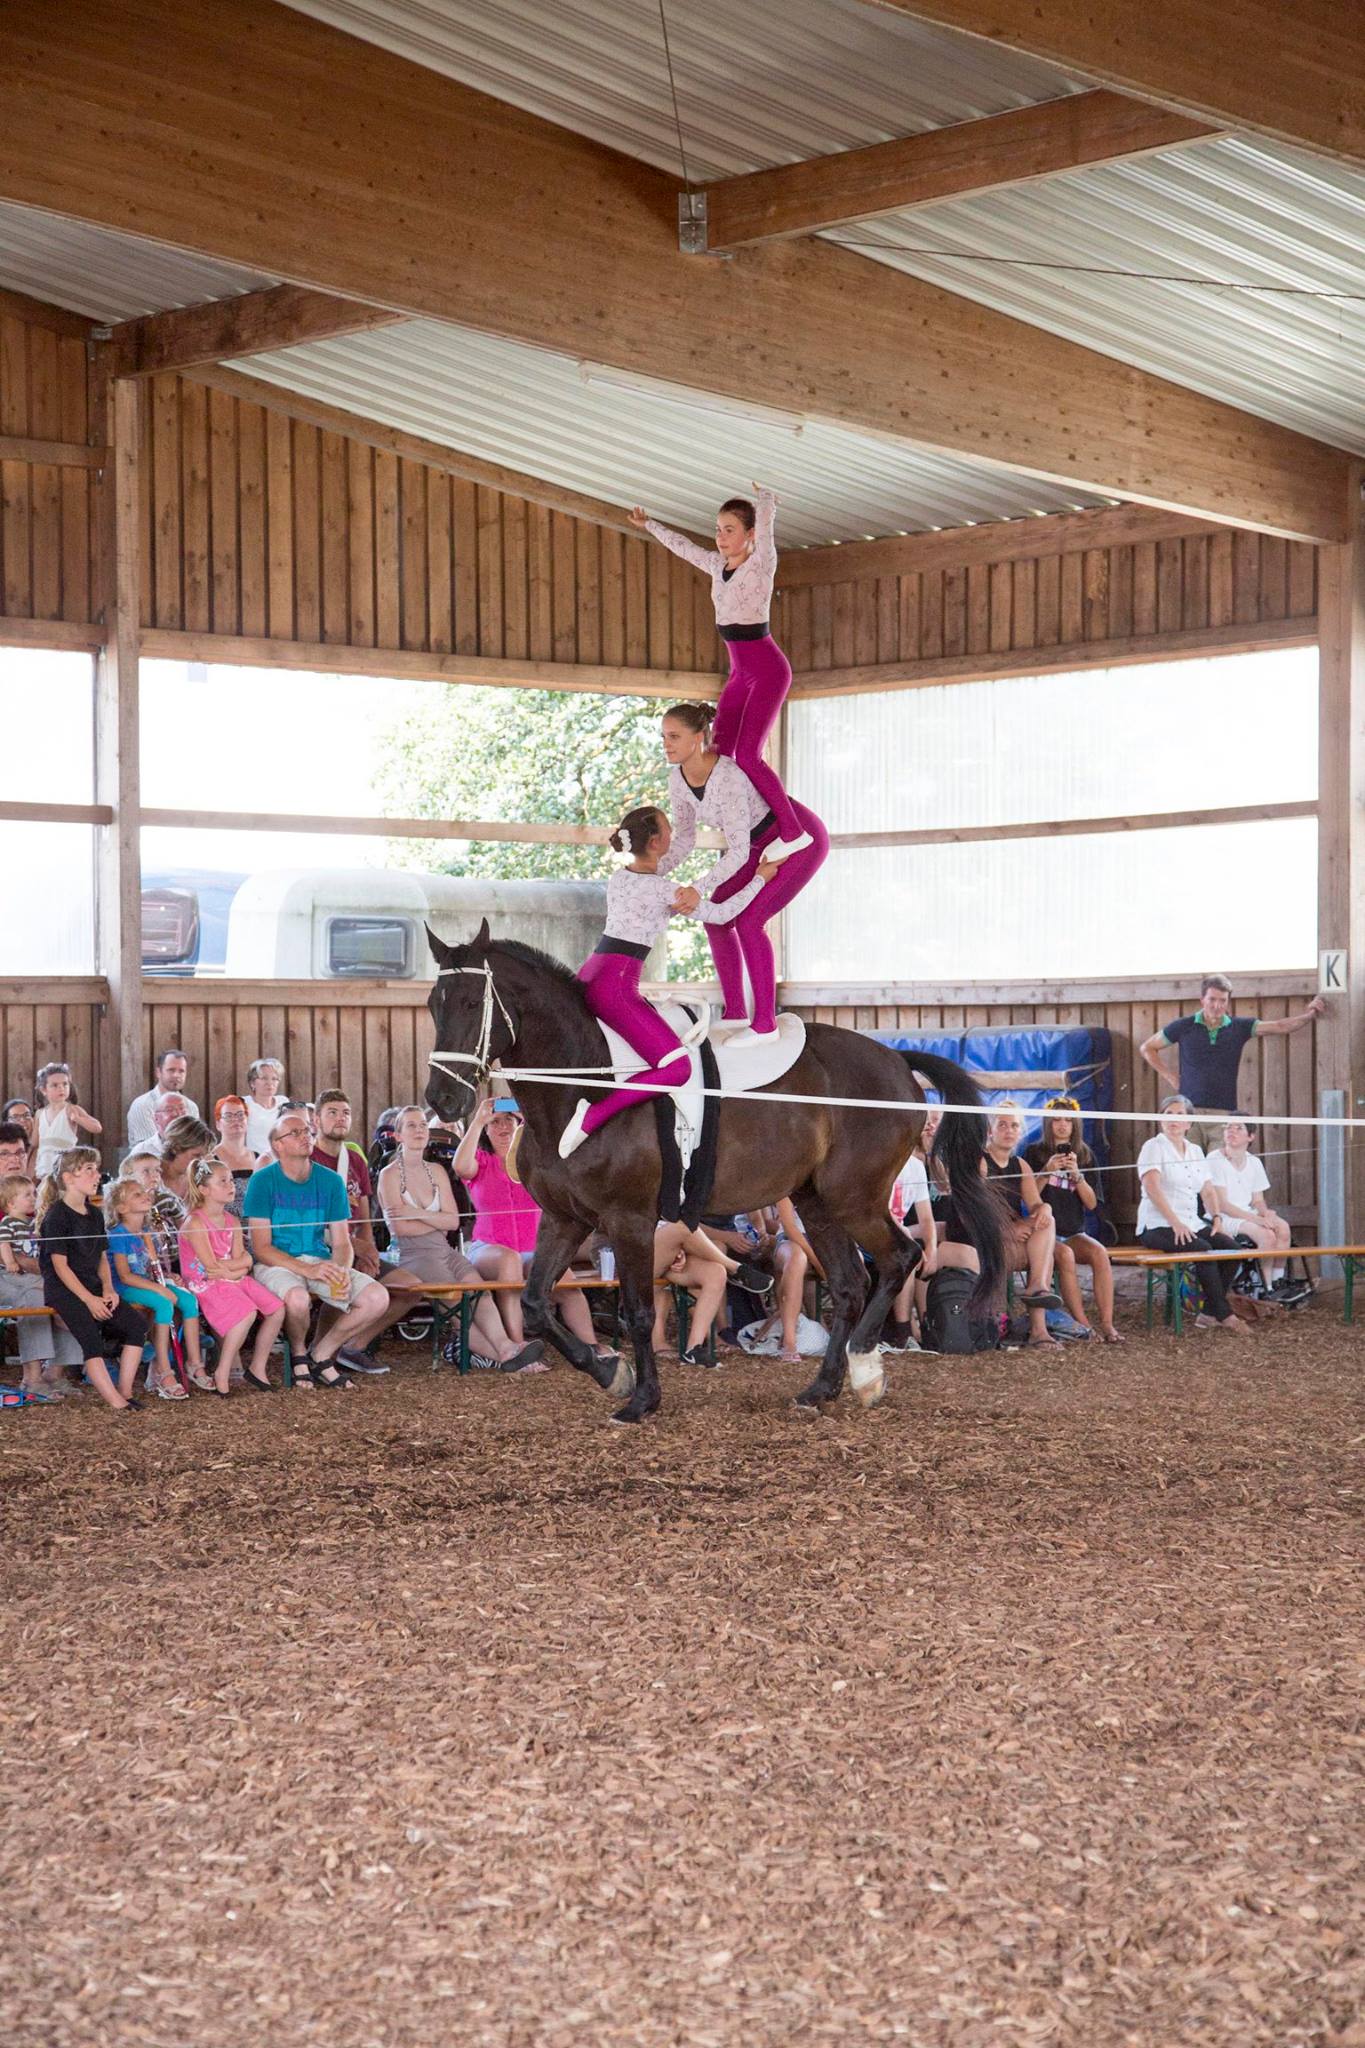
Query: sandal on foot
{"points": [[320, 1379], [171, 1390]]}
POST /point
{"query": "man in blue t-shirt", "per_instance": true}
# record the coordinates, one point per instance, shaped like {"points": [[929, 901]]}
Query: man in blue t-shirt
{"points": [[1209, 1046], [297, 1216]]}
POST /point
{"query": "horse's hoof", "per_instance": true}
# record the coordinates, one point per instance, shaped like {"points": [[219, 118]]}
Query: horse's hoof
{"points": [[622, 1383], [812, 1399], [633, 1412], [866, 1377]]}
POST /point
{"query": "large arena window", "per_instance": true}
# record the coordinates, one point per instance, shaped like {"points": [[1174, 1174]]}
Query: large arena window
{"points": [[47, 895], [1127, 746]]}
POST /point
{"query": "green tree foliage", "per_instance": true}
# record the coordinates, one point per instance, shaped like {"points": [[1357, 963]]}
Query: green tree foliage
{"points": [[534, 756]]}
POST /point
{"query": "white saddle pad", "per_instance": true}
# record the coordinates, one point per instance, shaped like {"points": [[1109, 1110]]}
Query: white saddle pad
{"points": [[742, 1067]]}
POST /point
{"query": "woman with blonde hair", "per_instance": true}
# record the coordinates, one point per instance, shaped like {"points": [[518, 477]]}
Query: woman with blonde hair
{"points": [[1059, 1161]]}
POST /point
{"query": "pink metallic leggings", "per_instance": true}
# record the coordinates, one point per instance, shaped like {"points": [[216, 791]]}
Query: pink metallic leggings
{"points": [[611, 983], [760, 677], [744, 943]]}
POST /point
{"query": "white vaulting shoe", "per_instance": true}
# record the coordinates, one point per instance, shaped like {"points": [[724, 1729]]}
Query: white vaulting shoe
{"points": [[782, 849], [748, 1036], [574, 1133]]}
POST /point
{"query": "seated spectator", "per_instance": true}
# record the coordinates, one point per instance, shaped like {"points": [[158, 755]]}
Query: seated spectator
{"points": [[60, 1116], [332, 1148], [170, 1109], [140, 1278], [16, 1154], [1242, 1184], [912, 1206], [45, 1345], [217, 1268], [780, 1242], [703, 1281], [298, 1222], [73, 1254], [1174, 1179], [1030, 1234], [421, 1212], [229, 1114], [264, 1101], [507, 1219], [19, 1111], [172, 1071], [1059, 1160]]}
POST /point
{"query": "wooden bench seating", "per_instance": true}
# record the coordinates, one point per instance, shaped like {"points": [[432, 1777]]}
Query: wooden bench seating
{"points": [[1171, 1267]]}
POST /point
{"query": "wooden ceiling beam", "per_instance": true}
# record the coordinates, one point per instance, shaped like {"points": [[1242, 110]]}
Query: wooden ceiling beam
{"points": [[999, 540], [340, 166], [944, 163], [250, 324], [1296, 74]]}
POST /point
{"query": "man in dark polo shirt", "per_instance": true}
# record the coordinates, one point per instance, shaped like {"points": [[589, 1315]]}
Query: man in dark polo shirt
{"points": [[1208, 1049]]}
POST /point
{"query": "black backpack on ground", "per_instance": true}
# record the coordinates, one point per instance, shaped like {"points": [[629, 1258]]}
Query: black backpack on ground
{"points": [[949, 1326]]}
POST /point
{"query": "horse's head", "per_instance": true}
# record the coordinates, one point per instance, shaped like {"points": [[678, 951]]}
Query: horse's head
{"points": [[474, 1024]]}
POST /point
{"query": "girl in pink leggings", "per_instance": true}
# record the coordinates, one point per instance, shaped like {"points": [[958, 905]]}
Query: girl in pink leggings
{"points": [[216, 1266], [708, 788], [640, 901], [742, 566]]}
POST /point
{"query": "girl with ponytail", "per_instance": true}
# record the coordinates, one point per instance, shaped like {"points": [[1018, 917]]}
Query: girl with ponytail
{"points": [[640, 901]]}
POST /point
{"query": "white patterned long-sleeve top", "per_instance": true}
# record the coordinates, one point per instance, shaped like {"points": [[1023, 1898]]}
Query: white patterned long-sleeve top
{"points": [[745, 597], [639, 906], [729, 803]]}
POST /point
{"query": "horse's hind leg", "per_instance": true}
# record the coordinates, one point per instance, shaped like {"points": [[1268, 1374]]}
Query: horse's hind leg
{"points": [[897, 1257], [846, 1286]]}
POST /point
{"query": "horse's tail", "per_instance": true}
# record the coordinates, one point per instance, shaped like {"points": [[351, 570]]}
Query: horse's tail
{"points": [[960, 1144]]}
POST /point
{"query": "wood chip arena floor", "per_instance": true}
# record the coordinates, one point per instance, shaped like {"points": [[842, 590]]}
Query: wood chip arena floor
{"points": [[1027, 1709]]}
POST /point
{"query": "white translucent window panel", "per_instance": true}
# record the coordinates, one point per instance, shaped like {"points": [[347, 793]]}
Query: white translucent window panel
{"points": [[48, 707], [1100, 743], [1178, 901]]}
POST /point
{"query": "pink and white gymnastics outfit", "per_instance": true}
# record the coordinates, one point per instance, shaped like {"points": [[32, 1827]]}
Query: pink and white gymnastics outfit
{"points": [[760, 674]]}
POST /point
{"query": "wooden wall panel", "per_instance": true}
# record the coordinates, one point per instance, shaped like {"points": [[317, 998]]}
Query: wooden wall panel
{"points": [[46, 510], [1139, 591]]}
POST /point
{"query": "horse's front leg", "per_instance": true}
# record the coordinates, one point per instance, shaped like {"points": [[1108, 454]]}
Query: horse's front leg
{"points": [[556, 1242], [635, 1260]]}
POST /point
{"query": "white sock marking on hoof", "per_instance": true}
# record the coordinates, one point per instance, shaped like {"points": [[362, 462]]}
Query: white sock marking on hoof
{"points": [[866, 1377]]}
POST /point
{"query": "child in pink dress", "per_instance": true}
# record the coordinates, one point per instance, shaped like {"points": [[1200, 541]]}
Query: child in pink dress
{"points": [[216, 1266]]}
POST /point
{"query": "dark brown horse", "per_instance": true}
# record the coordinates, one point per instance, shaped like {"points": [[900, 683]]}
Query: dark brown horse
{"points": [[500, 1000]]}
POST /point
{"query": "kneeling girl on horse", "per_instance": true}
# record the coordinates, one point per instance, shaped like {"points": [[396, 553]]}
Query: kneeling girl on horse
{"points": [[640, 901]]}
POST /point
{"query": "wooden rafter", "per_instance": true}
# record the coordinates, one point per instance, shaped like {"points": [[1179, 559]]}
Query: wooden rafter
{"points": [[282, 316], [914, 170], [1296, 73], [444, 202]]}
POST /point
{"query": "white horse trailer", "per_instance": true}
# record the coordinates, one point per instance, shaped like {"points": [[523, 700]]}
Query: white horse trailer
{"points": [[331, 924]]}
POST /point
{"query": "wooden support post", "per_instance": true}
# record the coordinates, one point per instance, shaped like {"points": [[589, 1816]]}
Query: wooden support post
{"points": [[118, 876], [1341, 860]]}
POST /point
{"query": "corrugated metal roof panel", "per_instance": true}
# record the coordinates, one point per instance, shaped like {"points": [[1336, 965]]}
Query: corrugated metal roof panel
{"points": [[756, 86], [542, 413], [1232, 210], [105, 275]]}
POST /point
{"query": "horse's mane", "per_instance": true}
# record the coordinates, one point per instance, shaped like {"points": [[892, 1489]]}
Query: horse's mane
{"points": [[529, 956]]}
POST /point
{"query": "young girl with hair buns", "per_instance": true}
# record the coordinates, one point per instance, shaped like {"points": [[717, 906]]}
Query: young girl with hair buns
{"points": [[140, 1278], [640, 901]]}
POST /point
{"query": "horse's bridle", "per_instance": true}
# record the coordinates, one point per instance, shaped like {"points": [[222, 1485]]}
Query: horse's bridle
{"points": [[481, 1059]]}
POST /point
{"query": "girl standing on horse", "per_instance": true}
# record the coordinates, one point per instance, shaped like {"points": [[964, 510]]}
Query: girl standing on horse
{"points": [[741, 567], [706, 787], [640, 901]]}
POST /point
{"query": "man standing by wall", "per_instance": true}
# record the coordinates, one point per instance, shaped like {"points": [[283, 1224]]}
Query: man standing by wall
{"points": [[1199, 1056], [172, 1072]]}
